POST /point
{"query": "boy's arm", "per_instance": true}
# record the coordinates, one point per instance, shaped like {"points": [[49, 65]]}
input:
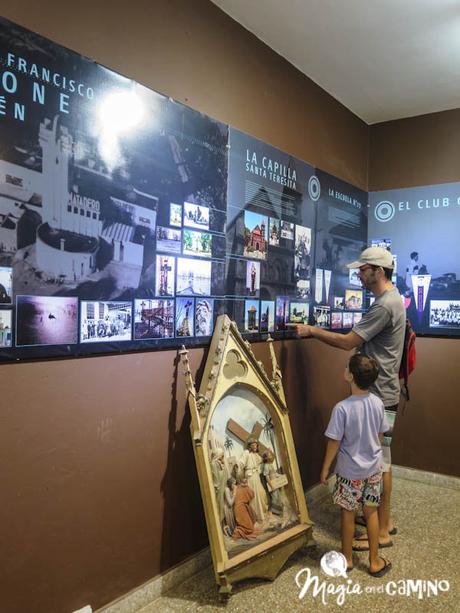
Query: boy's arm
{"points": [[331, 451]]}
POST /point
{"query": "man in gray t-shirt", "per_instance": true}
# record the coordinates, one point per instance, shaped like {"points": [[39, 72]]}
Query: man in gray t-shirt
{"points": [[379, 334]]}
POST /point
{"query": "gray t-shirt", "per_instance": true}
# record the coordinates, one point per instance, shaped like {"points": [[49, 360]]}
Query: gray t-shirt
{"points": [[382, 329], [357, 422]]}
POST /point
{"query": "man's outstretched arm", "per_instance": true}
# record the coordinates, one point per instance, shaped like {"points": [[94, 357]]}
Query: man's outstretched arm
{"points": [[334, 339]]}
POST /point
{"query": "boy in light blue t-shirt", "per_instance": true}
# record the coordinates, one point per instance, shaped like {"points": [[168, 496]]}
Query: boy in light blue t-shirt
{"points": [[355, 434]]}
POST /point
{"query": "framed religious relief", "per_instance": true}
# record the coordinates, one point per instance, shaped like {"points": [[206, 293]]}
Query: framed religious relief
{"points": [[249, 477]]}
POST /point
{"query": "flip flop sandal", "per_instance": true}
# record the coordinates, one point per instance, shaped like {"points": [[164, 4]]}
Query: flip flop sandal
{"points": [[383, 571], [366, 547]]}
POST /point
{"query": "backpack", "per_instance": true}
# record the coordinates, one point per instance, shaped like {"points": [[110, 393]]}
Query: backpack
{"points": [[408, 359]]}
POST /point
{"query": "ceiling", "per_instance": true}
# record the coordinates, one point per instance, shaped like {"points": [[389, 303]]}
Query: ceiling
{"points": [[382, 59]]}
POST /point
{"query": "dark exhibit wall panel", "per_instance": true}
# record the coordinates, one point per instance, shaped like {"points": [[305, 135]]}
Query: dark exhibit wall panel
{"points": [[406, 156]]}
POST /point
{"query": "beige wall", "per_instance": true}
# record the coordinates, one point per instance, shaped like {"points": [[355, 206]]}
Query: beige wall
{"points": [[100, 489]]}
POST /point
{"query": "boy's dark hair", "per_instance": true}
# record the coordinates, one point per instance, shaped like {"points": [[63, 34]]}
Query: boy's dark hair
{"points": [[364, 370]]}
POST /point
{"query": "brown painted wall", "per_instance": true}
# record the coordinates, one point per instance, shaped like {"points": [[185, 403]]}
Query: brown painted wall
{"points": [[101, 494], [99, 487], [424, 151]]}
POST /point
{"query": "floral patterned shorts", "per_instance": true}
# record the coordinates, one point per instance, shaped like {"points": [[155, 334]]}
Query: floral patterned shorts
{"points": [[351, 494]]}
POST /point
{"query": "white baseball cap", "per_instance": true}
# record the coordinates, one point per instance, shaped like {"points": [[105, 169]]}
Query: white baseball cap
{"points": [[375, 256]]}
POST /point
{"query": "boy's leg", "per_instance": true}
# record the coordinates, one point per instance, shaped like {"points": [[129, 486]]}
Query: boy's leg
{"points": [[372, 521], [348, 531], [346, 496]]}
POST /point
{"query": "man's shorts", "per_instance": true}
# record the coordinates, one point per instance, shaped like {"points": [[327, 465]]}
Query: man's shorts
{"points": [[390, 414], [351, 494]]}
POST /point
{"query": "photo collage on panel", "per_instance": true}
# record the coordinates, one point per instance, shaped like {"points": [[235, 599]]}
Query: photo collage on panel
{"points": [[270, 236], [112, 209], [341, 235], [420, 227]]}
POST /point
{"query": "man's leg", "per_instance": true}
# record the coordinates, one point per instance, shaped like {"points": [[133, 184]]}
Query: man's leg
{"points": [[384, 513]]}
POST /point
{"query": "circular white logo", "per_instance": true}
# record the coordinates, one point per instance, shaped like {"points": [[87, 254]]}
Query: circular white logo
{"points": [[314, 188], [384, 211], [334, 564]]}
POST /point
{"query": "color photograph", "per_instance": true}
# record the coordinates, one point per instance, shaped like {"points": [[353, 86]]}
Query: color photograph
{"points": [[184, 317], [6, 337], [164, 278], [251, 315], [153, 319], [6, 285], [267, 316], [347, 319], [299, 312], [253, 278], [353, 299], [197, 243], [175, 215], [336, 320], [282, 312], [105, 321], [255, 235], [46, 320]]}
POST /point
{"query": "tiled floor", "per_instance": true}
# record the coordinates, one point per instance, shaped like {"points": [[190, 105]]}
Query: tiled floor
{"points": [[426, 548]]}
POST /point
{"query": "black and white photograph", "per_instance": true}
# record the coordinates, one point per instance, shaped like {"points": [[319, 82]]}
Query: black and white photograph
{"points": [[267, 316], [287, 230], [169, 240], [274, 232], [46, 320], [193, 277], [196, 216], [253, 279], [445, 314], [153, 319], [6, 336], [339, 302], [322, 316], [353, 278], [197, 243], [303, 289], [302, 259], [6, 285], [105, 321], [164, 278], [185, 317], [204, 316]]}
